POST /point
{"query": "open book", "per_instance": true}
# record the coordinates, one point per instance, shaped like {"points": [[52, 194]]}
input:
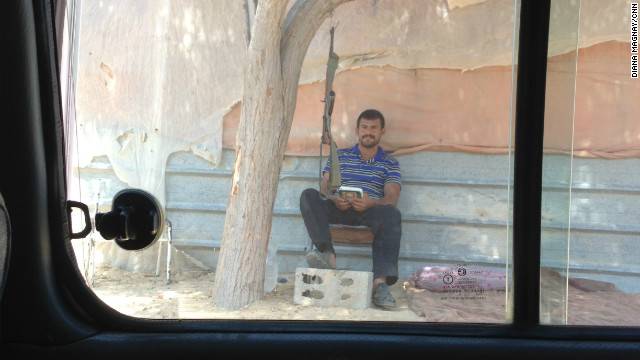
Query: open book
{"points": [[347, 192]]}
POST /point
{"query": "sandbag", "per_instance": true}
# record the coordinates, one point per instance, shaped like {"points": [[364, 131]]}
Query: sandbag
{"points": [[459, 278]]}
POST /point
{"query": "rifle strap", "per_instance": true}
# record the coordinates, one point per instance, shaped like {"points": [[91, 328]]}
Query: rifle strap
{"points": [[335, 175]]}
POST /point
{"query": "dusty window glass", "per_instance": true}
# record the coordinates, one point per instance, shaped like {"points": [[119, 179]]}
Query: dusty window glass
{"points": [[158, 87], [589, 259]]}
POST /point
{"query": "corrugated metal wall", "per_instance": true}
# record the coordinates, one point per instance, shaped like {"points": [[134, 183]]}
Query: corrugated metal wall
{"points": [[455, 209]]}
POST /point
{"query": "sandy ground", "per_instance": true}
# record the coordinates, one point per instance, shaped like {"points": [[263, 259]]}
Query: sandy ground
{"points": [[189, 296]]}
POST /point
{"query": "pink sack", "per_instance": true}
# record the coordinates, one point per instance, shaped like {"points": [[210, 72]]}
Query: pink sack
{"points": [[459, 278]]}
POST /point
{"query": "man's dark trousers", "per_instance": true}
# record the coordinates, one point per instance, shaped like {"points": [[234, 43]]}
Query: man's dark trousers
{"points": [[383, 220]]}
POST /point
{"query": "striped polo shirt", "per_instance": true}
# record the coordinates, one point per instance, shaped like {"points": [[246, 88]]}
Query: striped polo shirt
{"points": [[371, 175]]}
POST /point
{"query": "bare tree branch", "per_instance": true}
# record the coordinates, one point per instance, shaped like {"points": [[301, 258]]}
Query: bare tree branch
{"points": [[300, 26]]}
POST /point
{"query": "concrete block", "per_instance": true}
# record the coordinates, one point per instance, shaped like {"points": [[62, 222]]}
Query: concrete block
{"points": [[320, 287]]}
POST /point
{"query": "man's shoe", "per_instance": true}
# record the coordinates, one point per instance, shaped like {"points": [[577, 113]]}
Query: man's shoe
{"points": [[383, 298], [317, 260]]}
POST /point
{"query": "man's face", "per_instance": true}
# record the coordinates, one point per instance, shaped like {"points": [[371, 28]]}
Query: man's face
{"points": [[369, 132]]}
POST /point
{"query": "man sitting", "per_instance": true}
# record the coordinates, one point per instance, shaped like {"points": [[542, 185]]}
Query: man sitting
{"points": [[368, 167]]}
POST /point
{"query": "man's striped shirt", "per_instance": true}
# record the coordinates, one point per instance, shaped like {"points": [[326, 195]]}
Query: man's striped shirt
{"points": [[371, 175]]}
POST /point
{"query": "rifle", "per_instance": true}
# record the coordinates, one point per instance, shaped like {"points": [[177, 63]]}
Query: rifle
{"points": [[335, 176]]}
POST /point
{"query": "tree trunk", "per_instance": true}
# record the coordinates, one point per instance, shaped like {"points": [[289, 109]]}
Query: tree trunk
{"points": [[270, 87]]}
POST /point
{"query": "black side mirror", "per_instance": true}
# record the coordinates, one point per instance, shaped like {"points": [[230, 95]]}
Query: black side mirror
{"points": [[135, 222]]}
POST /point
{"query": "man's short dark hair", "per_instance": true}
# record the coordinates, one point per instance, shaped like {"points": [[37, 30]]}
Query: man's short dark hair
{"points": [[371, 114]]}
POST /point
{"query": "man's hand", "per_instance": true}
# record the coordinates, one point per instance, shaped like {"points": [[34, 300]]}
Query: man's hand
{"points": [[362, 204], [340, 203], [391, 195]]}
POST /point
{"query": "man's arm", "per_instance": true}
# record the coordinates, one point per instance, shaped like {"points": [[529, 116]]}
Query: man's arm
{"points": [[391, 196]]}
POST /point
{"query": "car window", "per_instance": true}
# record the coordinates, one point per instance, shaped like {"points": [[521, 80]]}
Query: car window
{"points": [[157, 96], [589, 273]]}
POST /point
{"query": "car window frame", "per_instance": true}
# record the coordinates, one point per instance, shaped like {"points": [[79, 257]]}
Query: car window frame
{"points": [[70, 317]]}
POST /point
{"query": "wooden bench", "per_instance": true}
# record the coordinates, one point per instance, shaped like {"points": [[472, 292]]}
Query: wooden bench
{"points": [[351, 235]]}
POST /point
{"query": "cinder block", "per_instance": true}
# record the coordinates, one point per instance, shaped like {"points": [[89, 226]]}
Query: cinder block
{"points": [[320, 287]]}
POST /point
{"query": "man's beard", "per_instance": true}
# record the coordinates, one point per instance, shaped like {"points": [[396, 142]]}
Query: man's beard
{"points": [[372, 143]]}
